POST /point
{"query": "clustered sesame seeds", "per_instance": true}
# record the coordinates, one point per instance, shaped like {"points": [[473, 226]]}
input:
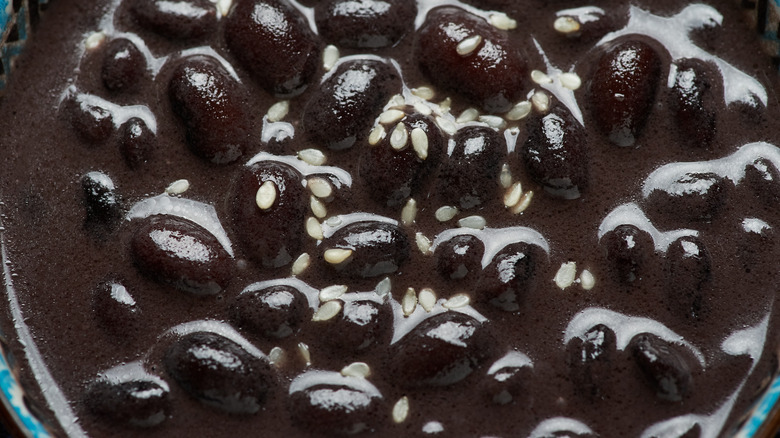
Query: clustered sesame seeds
{"points": [[567, 276]]}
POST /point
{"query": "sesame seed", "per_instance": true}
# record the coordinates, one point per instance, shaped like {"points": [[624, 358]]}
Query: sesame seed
{"points": [[475, 222], [301, 264], [427, 299], [317, 207], [501, 21], [445, 105], [303, 350], [446, 125], [384, 287], [397, 100], [327, 311], [443, 214], [331, 293], [401, 410], [178, 187], [314, 229], [423, 243], [587, 280], [276, 355], [320, 187], [571, 81], [566, 25], [334, 221], [376, 135], [512, 196], [278, 111], [424, 92], [330, 56], [525, 201], [94, 40], [457, 301], [420, 143], [541, 101], [540, 77], [223, 7], [565, 275], [493, 121], [315, 157], [505, 177], [409, 302], [336, 256], [391, 116], [266, 195], [469, 45], [356, 369], [468, 115], [399, 137], [519, 111], [423, 109], [409, 212]]}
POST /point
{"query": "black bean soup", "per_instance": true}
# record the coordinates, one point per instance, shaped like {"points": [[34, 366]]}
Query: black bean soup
{"points": [[389, 218]]}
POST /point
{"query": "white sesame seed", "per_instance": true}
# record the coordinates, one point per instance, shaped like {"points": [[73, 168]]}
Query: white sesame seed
{"points": [[301, 264], [94, 40], [571, 81], [376, 135], [317, 207], [303, 350], [409, 302], [391, 116], [505, 177], [223, 7], [446, 125], [469, 45], [420, 143], [399, 137], [397, 100], [336, 256], [525, 201], [445, 105], [333, 292], [468, 115], [427, 299], [423, 109], [178, 187], [401, 410], [541, 101], [457, 301], [409, 212], [566, 25], [327, 311], [266, 195], [330, 56], [423, 243], [384, 287], [424, 92], [443, 214], [587, 280], [276, 355], [495, 122], [356, 369], [475, 222], [278, 111], [314, 229], [519, 111], [333, 221], [565, 275], [512, 196], [501, 21], [320, 187], [315, 157], [540, 77]]}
